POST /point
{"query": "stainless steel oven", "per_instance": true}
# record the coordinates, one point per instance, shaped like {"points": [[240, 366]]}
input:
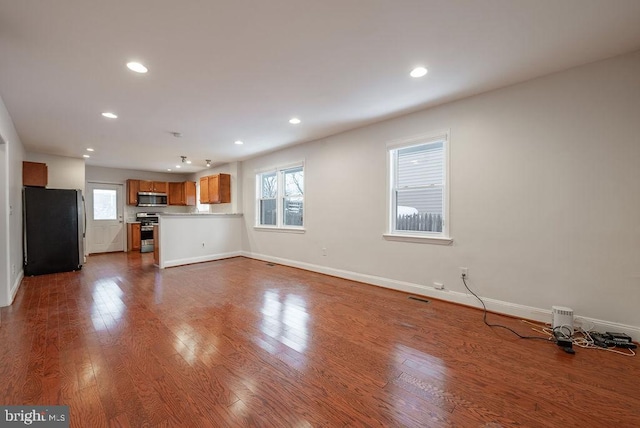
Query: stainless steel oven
{"points": [[147, 220]]}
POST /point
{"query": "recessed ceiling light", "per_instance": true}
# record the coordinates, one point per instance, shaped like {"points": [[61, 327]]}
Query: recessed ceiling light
{"points": [[177, 166], [89, 149], [418, 72], [86, 156], [137, 67], [189, 162], [168, 169], [294, 121], [238, 142], [110, 115]]}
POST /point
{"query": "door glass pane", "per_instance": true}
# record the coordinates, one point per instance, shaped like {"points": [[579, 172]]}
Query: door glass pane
{"points": [[105, 204]]}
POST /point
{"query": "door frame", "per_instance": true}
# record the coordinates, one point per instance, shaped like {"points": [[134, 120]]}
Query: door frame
{"points": [[121, 213]]}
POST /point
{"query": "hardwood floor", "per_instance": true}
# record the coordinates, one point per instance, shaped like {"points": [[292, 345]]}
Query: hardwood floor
{"points": [[239, 343]]}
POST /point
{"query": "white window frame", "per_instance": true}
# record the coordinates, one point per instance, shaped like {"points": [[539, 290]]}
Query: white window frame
{"points": [[280, 198], [442, 238]]}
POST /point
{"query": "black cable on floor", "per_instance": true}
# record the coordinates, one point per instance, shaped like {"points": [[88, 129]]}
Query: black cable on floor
{"points": [[546, 339]]}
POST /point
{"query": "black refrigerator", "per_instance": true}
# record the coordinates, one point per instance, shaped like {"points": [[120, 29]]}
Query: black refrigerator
{"points": [[53, 230]]}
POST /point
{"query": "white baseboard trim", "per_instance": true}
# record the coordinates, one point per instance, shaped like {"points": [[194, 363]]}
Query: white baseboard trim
{"points": [[16, 286], [200, 259], [498, 306]]}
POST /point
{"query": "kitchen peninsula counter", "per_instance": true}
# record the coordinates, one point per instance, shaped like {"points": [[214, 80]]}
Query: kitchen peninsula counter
{"points": [[185, 238]]}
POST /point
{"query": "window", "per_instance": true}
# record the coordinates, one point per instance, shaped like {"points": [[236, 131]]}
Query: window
{"points": [[268, 195], [418, 183], [293, 198], [105, 204], [280, 198]]}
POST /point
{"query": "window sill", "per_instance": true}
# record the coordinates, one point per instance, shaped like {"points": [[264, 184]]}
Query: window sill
{"points": [[279, 229], [437, 240]]}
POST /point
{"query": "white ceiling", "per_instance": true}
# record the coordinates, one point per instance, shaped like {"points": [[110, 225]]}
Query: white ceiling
{"points": [[220, 71]]}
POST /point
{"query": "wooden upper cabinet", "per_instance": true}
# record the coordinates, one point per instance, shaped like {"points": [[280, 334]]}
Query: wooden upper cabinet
{"points": [[204, 190], [154, 186], [160, 187], [215, 189], [182, 193], [220, 188], [35, 174], [145, 186], [133, 187]]}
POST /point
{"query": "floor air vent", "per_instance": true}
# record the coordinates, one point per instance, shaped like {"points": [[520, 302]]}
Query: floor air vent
{"points": [[419, 299], [271, 264]]}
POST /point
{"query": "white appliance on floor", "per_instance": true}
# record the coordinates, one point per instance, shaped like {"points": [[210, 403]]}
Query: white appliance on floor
{"points": [[563, 319]]}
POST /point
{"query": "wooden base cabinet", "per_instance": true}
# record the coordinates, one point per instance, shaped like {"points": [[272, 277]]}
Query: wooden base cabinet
{"points": [[133, 237], [182, 193], [215, 189]]}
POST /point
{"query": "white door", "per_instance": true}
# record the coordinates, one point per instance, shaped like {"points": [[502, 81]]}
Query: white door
{"points": [[105, 226]]}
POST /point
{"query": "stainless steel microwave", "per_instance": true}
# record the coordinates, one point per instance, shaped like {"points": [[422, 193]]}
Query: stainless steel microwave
{"points": [[150, 199]]}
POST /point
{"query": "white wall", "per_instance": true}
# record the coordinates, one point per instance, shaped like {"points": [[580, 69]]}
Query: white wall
{"points": [[120, 176], [199, 238], [63, 172], [11, 157], [545, 199]]}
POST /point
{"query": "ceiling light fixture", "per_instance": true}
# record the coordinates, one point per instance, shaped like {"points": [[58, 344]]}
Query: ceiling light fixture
{"points": [[168, 169], [184, 159], [137, 67], [110, 115], [208, 163], [238, 142], [418, 72], [294, 121], [89, 149], [86, 156], [178, 166]]}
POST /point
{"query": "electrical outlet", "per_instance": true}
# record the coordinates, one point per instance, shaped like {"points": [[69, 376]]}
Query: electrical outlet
{"points": [[438, 285], [324, 251], [13, 270], [464, 272]]}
